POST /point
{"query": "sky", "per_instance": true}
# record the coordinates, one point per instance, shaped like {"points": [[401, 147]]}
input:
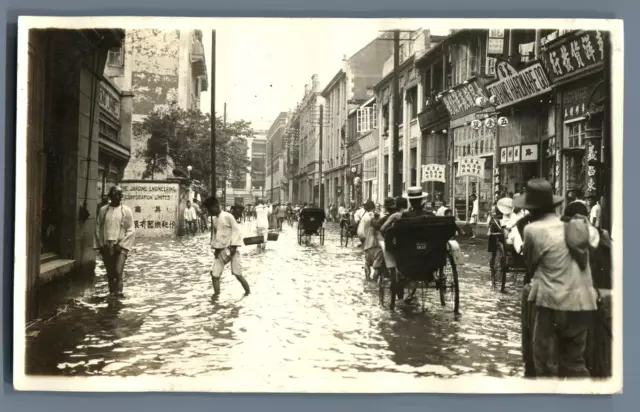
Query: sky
{"points": [[263, 65]]}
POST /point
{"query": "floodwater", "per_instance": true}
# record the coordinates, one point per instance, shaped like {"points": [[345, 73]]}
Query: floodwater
{"points": [[311, 314]]}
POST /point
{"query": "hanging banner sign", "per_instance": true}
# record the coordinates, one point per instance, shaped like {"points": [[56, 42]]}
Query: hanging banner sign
{"points": [[462, 99], [433, 173], [515, 86], [471, 166]]}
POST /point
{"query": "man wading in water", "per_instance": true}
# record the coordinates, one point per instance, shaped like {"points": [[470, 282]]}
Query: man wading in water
{"points": [[113, 238], [226, 237]]}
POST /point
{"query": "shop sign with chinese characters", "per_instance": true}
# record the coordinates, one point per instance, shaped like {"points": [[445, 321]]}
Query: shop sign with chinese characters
{"points": [[519, 153], [593, 166], [575, 101], [462, 100], [433, 173], [551, 147], [154, 206], [575, 53], [514, 86], [558, 163], [471, 166]]}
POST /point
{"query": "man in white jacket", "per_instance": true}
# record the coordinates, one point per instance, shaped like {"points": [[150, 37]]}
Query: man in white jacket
{"points": [[113, 239]]}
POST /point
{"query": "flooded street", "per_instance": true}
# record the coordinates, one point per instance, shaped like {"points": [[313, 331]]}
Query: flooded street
{"points": [[310, 314]]}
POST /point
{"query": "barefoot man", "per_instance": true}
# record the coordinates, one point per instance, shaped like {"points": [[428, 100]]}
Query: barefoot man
{"points": [[226, 237]]}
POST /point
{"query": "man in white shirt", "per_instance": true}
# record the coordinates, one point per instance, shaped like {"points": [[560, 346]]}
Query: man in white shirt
{"points": [[113, 238], [594, 215], [473, 220], [262, 221], [190, 218], [226, 237], [443, 208]]}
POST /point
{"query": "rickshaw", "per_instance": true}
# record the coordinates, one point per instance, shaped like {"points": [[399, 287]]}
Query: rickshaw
{"points": [[425, 259], [504, 257], [348, 229], [311, 223]]}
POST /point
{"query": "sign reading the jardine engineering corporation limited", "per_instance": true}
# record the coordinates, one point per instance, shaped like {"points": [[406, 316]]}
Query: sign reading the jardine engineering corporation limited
{"points": [[154, 205], [515, 86]]}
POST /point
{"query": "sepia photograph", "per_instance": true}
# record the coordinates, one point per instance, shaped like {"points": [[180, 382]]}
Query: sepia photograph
{"points": [[318, 205]]}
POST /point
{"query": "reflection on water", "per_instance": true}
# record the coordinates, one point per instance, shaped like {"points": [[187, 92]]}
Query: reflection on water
{"points": [[310, 314]]}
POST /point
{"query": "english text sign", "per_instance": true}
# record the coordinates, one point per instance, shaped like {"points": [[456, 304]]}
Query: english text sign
{"points": [[515, 86]]}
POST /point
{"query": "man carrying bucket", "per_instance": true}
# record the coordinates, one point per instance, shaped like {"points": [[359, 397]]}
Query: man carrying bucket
{"points": [[226, 237]]}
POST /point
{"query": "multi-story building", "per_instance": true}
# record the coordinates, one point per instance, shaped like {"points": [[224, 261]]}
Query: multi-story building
{"points": [[308, 128], [245, 188], [160, 68], [276, 159], [405, 115], [66, 140], [349, 88]]}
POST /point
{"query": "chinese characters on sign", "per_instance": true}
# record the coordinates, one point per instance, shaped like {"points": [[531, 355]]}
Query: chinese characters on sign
{"points": [[558, 162], [496, 183], [593, 165], [516, 154], [463, 98], [433, 173], [575, 53], [154, 205], [471, 166], [551, 147], [513, 86]]}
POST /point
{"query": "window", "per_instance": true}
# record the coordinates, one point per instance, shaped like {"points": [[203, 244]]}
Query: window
{"points": [[385, 118], [116, 57], [108, 131], [367, 118], [412, 97], [575, 134]]}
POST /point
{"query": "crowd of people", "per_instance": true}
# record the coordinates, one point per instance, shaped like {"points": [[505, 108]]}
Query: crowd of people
{"points": [[567, 256]]}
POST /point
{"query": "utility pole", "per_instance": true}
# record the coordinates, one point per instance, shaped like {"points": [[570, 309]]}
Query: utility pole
{"points": [[271, 163], [396, 186], [213, 113], [226, 172], [396, 101], [320, 188]]}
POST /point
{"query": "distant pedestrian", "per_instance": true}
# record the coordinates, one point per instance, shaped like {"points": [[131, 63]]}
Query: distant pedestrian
{"points": [[475, 212], [262, 221], [113, 238], [190, 218], [226, 238], [373, 257]]}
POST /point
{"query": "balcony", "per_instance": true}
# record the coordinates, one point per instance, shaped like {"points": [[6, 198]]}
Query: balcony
{"points": [[433, 114]]}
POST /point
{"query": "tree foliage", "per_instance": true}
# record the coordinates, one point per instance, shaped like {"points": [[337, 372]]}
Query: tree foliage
{"points": [[182, 138]]}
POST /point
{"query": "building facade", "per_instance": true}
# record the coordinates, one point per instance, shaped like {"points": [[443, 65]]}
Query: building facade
{"points": [[351, 87], [409, 138], [303, 138], [160, 68], [276, 159], [64, 148], [245, 189]]}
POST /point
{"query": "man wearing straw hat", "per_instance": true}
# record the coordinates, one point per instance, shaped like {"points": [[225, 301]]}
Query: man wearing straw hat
{"points": [[226, 237], [561, 288]]}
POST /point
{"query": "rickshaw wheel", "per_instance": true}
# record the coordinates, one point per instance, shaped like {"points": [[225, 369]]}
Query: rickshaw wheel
{"points": [[454, 283], [300, 235], [322, 236]]}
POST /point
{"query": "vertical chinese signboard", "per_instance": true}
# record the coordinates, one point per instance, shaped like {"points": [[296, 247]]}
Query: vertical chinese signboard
{"points": [[575, 53], [155, 207], [593, 160]]}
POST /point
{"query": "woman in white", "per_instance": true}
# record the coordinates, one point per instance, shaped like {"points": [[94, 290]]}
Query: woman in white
{"points": [[113, 238]]}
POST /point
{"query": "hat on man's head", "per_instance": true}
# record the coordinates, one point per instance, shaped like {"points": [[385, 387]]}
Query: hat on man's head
{"points": [[368, 205], [389, 203], [538, 195], [210, 201], [505, 205], [415, 192]]}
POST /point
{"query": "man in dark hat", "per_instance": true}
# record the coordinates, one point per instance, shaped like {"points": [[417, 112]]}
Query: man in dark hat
{"points": [[561, 286], [226, 238]]}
